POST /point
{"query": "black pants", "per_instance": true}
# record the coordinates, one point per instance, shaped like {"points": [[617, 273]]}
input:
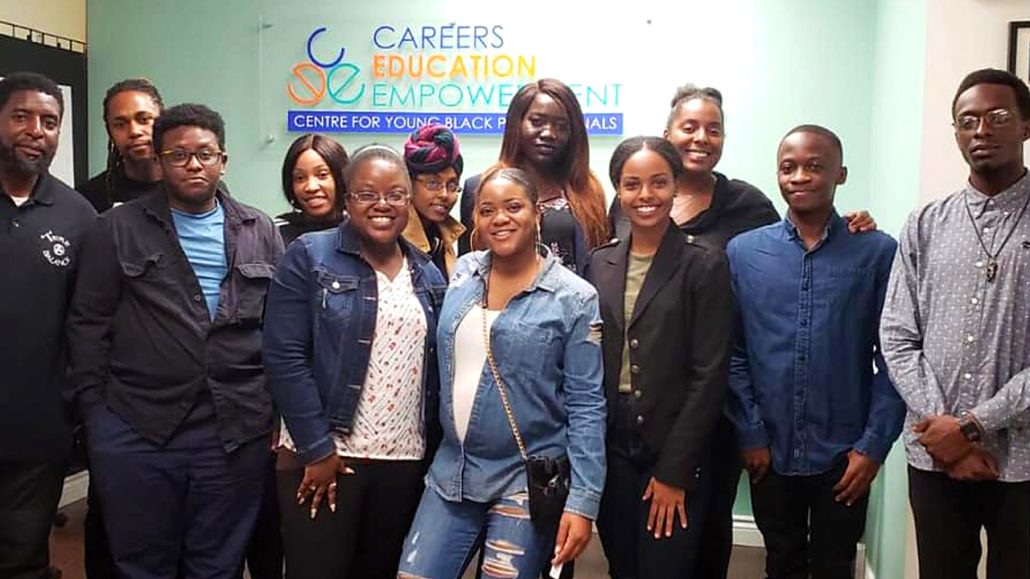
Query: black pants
{"points": [[949, 515], [265, 549], [724, 469], [363, 538], [805, 530], [632, 550], [29, 493], [98, 562]]}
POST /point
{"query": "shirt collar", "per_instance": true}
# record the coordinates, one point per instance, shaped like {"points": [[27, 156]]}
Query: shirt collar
{"points": [[42, 191], [833, 226], [544, 279], [1011, 199]]}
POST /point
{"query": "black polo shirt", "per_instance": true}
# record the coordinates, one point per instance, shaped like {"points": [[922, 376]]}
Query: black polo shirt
{"points": [[106, 189], [39, 243]]}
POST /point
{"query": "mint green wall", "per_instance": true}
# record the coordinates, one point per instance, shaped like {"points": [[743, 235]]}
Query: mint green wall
{"points": [[896, 128], [778, 64], [853, 65]]}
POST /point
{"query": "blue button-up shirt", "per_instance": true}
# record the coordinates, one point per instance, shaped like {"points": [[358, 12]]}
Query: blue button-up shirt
{"points": [[802, 373], [547, 346]]}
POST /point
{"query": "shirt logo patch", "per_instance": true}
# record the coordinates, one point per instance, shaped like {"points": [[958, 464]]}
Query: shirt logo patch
{"points": [[56, 249]]}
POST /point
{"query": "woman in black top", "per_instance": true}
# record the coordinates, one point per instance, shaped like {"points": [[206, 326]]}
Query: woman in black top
{"points": [[313, 184], [710, 209], [546, 136], [666, 305]]}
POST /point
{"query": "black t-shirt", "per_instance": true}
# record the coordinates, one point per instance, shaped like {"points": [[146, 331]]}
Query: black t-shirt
{"points": [[39, 244], [737, 206], [103, 195], [294, 224]]}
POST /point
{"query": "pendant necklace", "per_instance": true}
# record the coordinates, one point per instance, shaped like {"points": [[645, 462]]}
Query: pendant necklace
{"points": [[991, 271]]}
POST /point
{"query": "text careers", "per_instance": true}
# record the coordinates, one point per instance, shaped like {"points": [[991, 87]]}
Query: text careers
{"points": [[414, 70]]}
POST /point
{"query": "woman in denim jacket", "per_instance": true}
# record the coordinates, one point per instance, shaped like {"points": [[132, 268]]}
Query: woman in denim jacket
{"points": [[544, 335], [349, 355]]}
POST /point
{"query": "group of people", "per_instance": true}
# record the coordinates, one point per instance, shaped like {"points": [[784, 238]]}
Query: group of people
{"points": [[400, 393]]}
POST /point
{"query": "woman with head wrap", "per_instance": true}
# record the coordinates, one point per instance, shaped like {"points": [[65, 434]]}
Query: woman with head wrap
{"points": [[434, 163]]}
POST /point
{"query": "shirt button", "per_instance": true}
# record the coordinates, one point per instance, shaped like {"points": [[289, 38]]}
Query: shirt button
{"points": [[634, 369], [196, 297], [15, 223], [640, 419], [987, 229], [979, 264], [690, 239], [967, 376], [969, 338], [804, 323], [637, 394], [974, 301], [336, 285], [634, 343]]}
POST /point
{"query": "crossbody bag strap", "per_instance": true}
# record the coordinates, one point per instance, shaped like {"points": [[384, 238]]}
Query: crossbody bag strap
{"points": [[501, 389]]}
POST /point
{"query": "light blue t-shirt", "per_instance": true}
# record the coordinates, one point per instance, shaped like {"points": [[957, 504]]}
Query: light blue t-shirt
{"points": [[202, 237]]}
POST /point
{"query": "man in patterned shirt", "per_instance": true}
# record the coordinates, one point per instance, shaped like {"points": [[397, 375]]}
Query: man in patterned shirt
{"points": [[955, 333]]}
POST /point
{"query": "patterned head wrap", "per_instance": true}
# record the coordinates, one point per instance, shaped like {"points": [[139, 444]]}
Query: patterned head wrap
{"points": [[431, 149]]}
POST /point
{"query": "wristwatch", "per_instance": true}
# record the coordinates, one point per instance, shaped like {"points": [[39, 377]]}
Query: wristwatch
{"points": [[969, 427]]}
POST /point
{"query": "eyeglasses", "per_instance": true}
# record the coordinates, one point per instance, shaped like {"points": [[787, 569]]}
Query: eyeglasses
{"points": [[436, 185], [181, 157], [995, 119], [395, 198]]}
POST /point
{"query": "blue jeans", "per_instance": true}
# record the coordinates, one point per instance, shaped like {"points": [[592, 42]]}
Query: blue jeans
{"points": [[445, 535]]}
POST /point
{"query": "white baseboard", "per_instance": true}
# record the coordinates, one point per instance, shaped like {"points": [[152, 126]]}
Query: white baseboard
{"points": [[746, 534], [74, 488]]}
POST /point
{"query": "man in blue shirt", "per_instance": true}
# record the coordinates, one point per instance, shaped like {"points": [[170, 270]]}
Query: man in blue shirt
{"points": [[165, 343], [815, 420]]}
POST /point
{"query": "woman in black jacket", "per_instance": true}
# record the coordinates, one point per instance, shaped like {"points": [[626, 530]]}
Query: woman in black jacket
{"points": [[666, 304]]}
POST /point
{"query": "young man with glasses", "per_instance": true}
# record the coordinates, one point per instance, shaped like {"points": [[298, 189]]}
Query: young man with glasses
{"points": [[956, 336], [165, 340]]}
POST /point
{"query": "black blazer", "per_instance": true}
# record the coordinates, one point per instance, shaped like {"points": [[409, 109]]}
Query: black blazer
{"points": [[679, 344]]}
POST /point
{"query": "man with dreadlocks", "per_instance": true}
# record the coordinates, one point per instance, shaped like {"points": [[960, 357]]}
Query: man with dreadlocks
{"points": [[130, 108]]}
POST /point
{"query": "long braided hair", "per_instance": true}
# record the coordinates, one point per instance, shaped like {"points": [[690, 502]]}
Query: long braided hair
{"points": [[115, 161]]}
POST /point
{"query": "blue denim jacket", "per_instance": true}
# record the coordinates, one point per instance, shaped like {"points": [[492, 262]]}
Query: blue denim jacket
{"points": [[548, 350], [320, 319]]}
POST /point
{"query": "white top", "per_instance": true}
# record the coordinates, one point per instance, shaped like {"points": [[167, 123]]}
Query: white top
{"points": [[18, 201], [469, 364], [388, 422]]}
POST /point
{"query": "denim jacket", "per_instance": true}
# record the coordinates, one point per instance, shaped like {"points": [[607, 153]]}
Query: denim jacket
{"points": [[547, 347], [319, 325]]}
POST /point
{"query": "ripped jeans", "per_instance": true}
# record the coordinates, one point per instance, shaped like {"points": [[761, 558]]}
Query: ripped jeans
{"points": [[445, 535]]}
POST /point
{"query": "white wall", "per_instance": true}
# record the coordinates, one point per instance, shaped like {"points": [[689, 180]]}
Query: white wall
{"points": [[65, 18], [961, 36]]}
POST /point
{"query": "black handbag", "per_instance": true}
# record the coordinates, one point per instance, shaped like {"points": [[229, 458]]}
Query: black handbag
{"points": [[547, 477]]}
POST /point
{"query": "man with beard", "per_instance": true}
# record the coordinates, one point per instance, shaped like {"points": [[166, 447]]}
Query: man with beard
{"points": [[956, 336], [130, 108], [165, 344], [42, 221]]}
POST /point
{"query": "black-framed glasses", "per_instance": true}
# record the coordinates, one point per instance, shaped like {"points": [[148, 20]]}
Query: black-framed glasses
{"points": [[181, 157], [996, 118], [395, 198], [435, 185]]}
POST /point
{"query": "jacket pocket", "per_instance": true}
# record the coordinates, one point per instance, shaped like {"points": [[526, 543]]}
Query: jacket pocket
{"points": [[143, 267], [336, 295], [252, 289]]}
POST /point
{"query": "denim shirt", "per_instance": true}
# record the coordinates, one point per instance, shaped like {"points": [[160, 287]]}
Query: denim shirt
{"points": [[319, 325], [801, 373], [548, 350]]}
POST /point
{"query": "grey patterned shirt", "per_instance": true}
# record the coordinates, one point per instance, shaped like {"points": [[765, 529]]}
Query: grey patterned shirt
{"points": [[955, 342]]}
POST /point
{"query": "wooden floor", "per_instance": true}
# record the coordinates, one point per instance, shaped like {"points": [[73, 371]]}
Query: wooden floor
{"points": [[66, 553]]}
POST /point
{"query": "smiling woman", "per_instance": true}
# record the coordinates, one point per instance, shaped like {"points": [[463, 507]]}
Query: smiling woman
{"points": [[312, 177]]}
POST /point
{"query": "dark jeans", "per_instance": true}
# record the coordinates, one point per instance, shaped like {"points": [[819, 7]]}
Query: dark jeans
{"points": [[363, 538], [725, 465], [29, 493], [805, 530], [949, 515], [631, 549], [182, 510]]}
